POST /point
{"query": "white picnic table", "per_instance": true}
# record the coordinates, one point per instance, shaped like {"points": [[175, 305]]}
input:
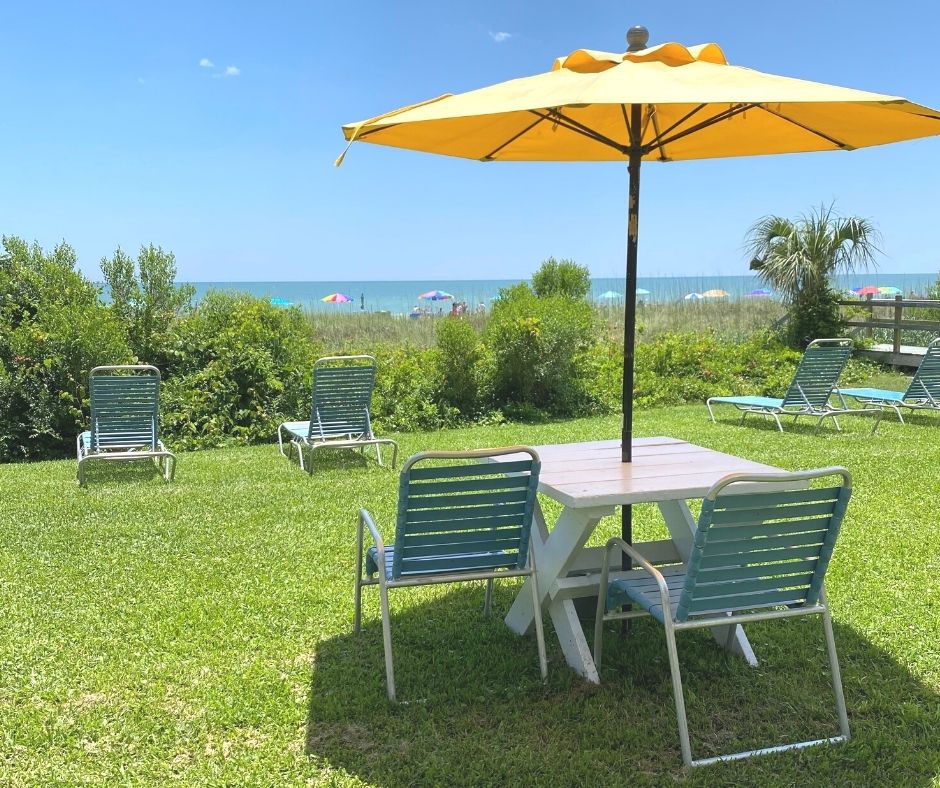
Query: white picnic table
{"points": [[590, 481]]}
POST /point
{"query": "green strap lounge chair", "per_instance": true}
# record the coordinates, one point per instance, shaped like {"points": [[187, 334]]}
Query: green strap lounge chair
{"points": [[808, 395], [923, 393], [339, 411], [756, 555], [457, 521], [125, 404]]}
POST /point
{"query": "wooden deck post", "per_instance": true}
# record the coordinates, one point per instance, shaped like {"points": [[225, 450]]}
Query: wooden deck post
{"points": [[898, 312]]}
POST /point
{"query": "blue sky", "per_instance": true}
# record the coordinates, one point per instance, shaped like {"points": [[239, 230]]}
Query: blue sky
{"points": [[210, 128]]}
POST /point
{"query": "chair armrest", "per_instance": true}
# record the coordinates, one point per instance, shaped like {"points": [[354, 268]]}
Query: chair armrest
{"points": [[365, 519], [646, 565]]}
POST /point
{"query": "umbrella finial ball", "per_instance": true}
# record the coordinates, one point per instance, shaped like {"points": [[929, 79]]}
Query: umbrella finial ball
{"points": [[637, 38]]}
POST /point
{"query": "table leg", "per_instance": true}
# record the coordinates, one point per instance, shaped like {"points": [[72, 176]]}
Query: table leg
{"points": [[681, 527], [555, 553]]}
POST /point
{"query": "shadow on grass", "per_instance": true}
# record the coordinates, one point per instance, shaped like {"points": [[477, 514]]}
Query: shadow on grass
{"points": [[804, 425], [475, 712], [142, 471], [335, 458]]}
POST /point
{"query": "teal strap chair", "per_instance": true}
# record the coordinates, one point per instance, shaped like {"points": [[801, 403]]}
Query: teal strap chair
{"points": [[923, 393], [339, 411], [756, 555], [125, 405], [457, 521], [809, 393]]}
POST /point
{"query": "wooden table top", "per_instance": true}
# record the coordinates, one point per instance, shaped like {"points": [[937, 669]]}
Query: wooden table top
{"points": [[590, 474]]}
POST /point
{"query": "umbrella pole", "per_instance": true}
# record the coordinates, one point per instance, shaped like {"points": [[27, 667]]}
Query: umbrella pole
{"points": [[629, 321]]}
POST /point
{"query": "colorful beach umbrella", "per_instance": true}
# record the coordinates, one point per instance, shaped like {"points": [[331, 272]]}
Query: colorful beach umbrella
{"points": [[866, 290], [661, 103], [761, 292], [610, 295], [889, 290], [336, 298], [694, 297], [436, 295], [715, 293]]}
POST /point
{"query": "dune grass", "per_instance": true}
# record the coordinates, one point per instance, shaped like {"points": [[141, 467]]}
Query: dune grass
{"points": [[733, 320], [200, 633]]}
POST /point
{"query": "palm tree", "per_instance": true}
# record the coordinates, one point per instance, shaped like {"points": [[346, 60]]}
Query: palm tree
{"points": [[796, 256], [799, 258]]}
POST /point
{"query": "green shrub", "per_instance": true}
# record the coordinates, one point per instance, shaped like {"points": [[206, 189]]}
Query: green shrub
{"points": [[814, 315], [237, 367], [406, 391], [145, 297], [458, 359], [53, 330], [678, 368], [561, 278], [535, 351]]}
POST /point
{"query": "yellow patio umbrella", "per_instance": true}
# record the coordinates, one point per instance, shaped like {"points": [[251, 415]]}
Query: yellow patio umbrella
{"points": [[662, 103]]}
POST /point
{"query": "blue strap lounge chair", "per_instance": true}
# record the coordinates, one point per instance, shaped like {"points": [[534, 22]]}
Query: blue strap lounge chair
{"points": [[923, 393], [808, 395], [457, 521], [125, 405], [339, 411], [758, 553]]}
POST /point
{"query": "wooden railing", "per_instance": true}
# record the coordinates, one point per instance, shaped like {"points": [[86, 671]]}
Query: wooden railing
{"points": [[895, 322]]}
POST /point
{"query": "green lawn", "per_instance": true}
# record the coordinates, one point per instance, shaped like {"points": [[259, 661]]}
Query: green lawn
{"points": [[200, 632]]}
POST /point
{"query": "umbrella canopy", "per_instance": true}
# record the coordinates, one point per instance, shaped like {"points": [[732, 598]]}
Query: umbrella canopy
{"points": [[662, 103], [436, 295], [866, 290], [336, 298], [610, 295], [641, 291], [761, 292], [694, 297], [889, 290], [280, 302], [715, 294]]}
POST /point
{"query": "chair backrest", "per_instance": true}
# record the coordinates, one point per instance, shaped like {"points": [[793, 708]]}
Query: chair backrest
{"points": [[818, 372], [125, 402], [755, 550], [460, 516], [342, 396], [926, 381]]}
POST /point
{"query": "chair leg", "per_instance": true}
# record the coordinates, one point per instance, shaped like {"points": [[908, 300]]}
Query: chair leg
{"points": [[488, 601], [684, 744], [387, 639], [708, 404], [378, 453], [357, 616], [539, 626], [836, 674], [777, 419]]}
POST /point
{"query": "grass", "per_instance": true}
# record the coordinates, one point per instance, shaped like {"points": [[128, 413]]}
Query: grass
{"points": [[200, 632], [733, 320]]}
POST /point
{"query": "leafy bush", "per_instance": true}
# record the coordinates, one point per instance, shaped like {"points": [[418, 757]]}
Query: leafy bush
{"points": [[678, 368], [237, 367], [406, 391], [458, 358], [535, 351], [814, 315], [53, 330], [146, 298], [561, 278]]}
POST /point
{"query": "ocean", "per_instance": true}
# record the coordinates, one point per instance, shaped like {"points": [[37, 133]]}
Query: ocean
{"points": [[401, 297]]}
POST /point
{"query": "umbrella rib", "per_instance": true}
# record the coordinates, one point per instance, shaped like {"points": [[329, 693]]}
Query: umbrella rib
{"points": [[681, 120], [721, 116], [778, 114], [579, 128], [489, 156]]}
